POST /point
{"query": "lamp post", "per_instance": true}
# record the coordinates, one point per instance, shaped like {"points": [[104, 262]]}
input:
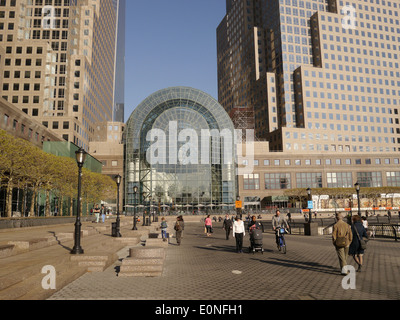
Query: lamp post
{"points": [[118, 226], [135, 190], [150, 204], [357, 185], [80, 160], [308, 206]]}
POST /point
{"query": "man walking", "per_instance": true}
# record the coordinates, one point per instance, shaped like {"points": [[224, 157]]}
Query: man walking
{"points": [[342, 238], [227, 226]]}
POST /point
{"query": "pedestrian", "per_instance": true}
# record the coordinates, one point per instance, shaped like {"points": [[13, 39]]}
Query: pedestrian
{"points": [[289, 217], [341, 238], [164, 227], [365, 223], [103, 213], [227, 226], [253, 224], [389, 215], [208, 226], [183, 225], [356, 249], [238, 232], [179, 225], [96, 211]]}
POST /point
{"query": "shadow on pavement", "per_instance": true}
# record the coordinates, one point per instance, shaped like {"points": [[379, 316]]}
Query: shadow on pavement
{"points": [[312, 266]]}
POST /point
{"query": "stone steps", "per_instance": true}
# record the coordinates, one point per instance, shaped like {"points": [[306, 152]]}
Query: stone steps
{"points": [[29, 279], [95, 262], [24, 281], [143, 262]]}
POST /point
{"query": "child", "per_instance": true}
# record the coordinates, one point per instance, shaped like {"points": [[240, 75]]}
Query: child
{"points": [[164, 227]]}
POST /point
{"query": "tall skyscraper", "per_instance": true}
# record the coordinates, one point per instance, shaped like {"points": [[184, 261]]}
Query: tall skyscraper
{"points": [[60, 63], [319, 75], [119, 83]]}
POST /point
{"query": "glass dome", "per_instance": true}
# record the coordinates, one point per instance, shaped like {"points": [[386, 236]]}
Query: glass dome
{"points": [[179, 151]]}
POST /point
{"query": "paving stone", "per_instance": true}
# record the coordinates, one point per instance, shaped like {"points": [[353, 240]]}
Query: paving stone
{"points": [[204, 268]]}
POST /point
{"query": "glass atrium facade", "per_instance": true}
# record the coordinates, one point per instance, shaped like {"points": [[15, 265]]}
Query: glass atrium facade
{"points": [[177, 152]]}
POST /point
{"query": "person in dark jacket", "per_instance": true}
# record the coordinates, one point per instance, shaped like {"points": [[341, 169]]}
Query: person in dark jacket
{"points": [[179, 227], [355, 249], [227, 226]]}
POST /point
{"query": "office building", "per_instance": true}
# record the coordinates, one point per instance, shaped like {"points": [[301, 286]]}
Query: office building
{"points": [[60, 63], [321, 76]]}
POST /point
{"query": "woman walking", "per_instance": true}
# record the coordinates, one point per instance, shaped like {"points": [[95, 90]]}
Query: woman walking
{"points": [[355, 249], [208, 225], [239, 233]]}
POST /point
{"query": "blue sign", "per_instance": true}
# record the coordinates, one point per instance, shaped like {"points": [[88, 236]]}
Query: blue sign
{"points": [[310, 205]]}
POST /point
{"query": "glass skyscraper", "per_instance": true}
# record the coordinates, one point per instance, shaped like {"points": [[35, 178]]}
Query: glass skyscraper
{"points": [[320, 76]]}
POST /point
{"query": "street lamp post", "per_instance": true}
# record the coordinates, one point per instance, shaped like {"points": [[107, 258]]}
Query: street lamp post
{"points": [[357, 185], [135, 190], [150, 204], [118, 226], [80, 160]]}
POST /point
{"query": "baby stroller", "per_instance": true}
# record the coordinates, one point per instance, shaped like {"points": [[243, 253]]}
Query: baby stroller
{"points": [[256, 241]]}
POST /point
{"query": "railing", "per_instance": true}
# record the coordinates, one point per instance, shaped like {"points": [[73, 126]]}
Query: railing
{"points": [[381, 230]]}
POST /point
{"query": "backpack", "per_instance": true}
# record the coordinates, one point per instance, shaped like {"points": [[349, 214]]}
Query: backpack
{"points": [[164, 224]]}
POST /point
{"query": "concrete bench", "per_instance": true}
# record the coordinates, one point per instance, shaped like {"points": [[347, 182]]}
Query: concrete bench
{"points": [[6, 250], [143, 262], [33, 244]]}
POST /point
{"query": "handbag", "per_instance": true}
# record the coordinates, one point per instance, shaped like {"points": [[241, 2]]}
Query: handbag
{"points": [[340, 242], [363, 243]]}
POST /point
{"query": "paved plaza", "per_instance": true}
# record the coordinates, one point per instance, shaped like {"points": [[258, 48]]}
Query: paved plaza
{"points": [[208, 268]]}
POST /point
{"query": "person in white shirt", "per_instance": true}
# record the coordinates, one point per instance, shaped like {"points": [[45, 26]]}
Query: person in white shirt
{"points": [[239, 233]]}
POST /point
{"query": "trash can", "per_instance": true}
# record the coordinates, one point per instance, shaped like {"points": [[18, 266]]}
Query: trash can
{"points": [[114, 230]]}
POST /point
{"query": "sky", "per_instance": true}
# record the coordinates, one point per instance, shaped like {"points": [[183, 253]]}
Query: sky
{"points": [[170, 43]]}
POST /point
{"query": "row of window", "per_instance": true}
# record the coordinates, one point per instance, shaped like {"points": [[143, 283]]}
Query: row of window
{"points": [[282, 181], [328, 162], [21, 129]]}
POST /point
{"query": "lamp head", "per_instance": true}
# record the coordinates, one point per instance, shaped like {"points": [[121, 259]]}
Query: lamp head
{"points": [[80, 156]]}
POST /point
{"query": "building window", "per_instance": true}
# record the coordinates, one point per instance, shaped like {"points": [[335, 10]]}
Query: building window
{"points": [[309, 180], [393, 179], [277, 181], [369, 179], [114, 163], [339, 180], [251, 182]]}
